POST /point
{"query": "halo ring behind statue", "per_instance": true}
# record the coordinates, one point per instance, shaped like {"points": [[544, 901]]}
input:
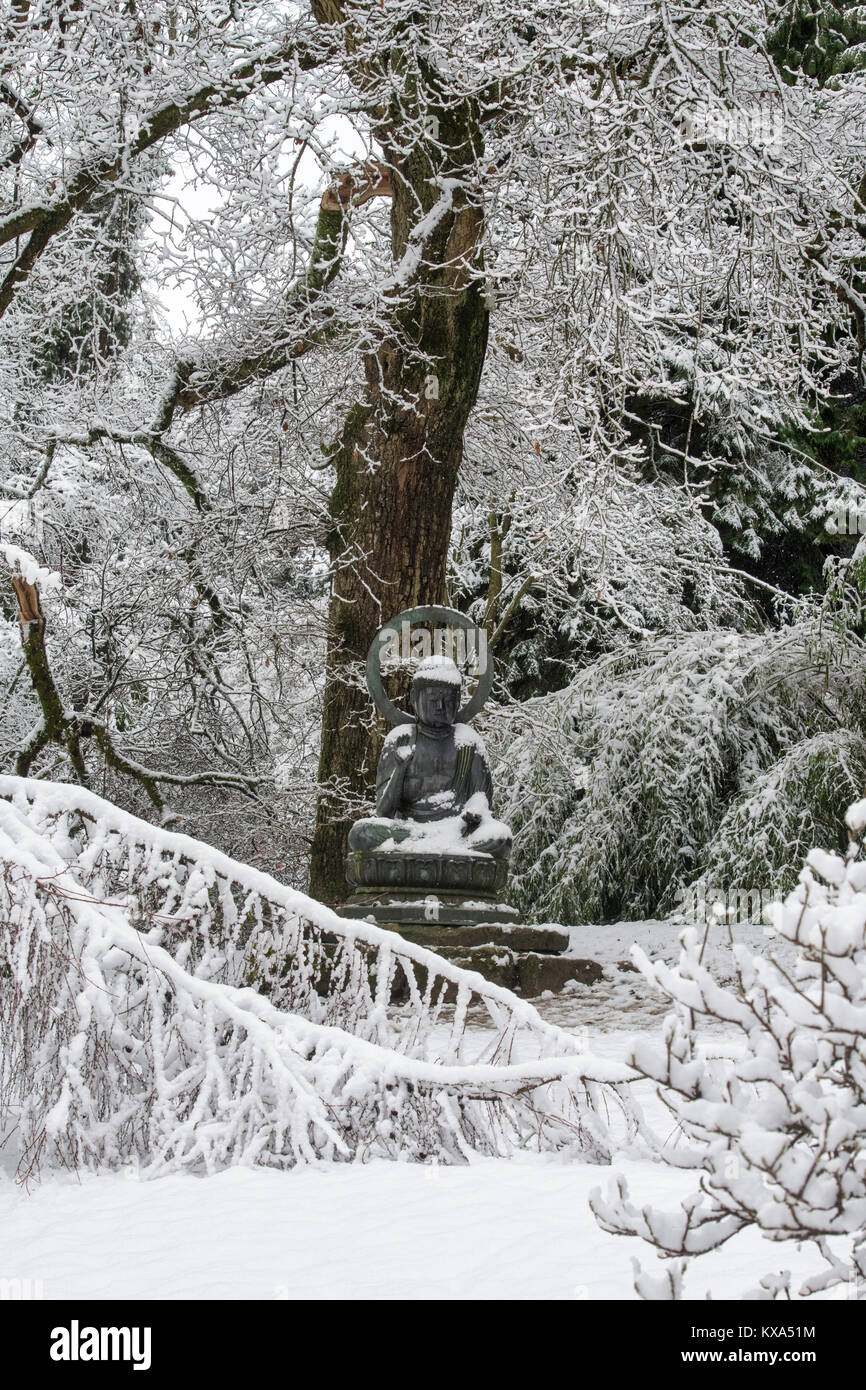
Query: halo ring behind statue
{"points": [[429, 613]]}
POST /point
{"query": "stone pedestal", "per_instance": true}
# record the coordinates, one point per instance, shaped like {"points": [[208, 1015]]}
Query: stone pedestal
{"points": [[406, 888], [470, 874], [413, 907]]}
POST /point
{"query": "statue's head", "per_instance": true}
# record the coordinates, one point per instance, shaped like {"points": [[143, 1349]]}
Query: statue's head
{"points": [[436, 691]]}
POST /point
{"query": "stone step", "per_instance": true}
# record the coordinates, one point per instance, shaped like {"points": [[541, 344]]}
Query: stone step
{"points": [[393, 908], [548, 940], [525, 959], [528, 973]]}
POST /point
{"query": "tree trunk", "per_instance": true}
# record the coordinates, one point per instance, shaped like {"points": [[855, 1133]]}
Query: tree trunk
{"points": [[398, 459]]}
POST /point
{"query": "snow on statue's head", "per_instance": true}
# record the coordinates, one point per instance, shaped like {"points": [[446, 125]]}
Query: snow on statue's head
{"points": [[435, 693]]}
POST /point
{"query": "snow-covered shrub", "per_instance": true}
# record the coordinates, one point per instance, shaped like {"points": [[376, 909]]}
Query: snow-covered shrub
{"points": [[647, 771], [130, 1030], [770, 828], [777, 1131]]}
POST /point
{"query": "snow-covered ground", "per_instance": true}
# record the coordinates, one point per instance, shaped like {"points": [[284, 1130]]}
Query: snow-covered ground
{"points": [[623, 1001], [518, 1229]]}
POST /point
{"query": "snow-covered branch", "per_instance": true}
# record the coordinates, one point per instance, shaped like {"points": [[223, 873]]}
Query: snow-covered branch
{"points": [[776, 1130], [165, 1005]]}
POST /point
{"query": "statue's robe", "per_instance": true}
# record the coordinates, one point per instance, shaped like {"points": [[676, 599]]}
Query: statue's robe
{"points": [[471, 775], [438, 795]]}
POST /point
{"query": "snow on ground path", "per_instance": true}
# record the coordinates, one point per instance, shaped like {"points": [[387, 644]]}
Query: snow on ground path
{"points": [[623, 999]]}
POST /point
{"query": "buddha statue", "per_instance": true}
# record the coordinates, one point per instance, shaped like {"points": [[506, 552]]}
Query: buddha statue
{"points": [[433, 784]]}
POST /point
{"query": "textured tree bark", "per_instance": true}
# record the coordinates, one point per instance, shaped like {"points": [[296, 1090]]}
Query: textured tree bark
{"points": [[398, 459]]}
